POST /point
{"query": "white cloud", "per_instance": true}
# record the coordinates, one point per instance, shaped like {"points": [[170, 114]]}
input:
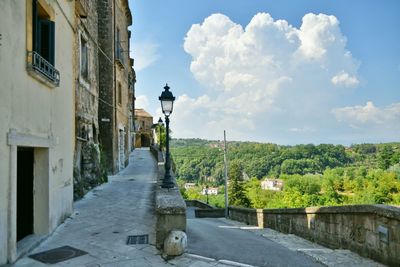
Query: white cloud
{"points": [[266, 76], [319, 35], [142, 102], [344, 79], [145, 54], [369, 115], [304, 129]]}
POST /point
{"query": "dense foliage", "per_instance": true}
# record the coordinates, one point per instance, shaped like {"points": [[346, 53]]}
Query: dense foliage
{"points": [[313, 175]]}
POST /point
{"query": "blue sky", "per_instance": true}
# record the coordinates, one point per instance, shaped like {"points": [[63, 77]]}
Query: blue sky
{"points": [[286, 72]]}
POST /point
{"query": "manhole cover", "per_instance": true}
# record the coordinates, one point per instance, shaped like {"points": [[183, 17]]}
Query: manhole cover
{"points": [[137, 239], [58, 254]]}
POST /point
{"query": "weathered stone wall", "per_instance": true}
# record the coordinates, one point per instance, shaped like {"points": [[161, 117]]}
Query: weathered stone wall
{"points": [[198, 204], [106, 113], [209, 213], [115, 77], [87, 171], [157, 153], [123, 105], [245, 215], [372, 231], [204, 210], [170, 208]]}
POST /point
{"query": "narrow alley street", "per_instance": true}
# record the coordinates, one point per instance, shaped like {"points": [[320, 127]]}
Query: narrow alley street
{"points": [[106, 216]]}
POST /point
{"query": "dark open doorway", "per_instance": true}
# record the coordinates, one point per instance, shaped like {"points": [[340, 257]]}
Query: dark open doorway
{"points": [[24, 192], [145, 140]]}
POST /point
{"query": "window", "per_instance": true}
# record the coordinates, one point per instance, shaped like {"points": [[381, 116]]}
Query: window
{"points": [[119, 94], [43, 33], [41, 42], [118, 48], [84, 59]]}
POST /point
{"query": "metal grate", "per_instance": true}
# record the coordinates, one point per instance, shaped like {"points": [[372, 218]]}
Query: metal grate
{"points": [[58, 254], [137, 239]]}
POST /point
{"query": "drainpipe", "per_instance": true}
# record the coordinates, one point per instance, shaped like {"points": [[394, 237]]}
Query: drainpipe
{"points": [[115, 130]]}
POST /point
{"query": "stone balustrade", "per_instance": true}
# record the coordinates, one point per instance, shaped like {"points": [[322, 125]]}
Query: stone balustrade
{"points": [[373, 231], [170, 208]]}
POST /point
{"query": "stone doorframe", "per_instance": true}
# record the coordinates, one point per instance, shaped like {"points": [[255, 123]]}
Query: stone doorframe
{"points": [[41, 223], [121, 143]]}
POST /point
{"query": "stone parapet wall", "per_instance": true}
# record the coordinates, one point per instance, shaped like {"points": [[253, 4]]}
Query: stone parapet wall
{"points": [[209, 213], [246, 215], [372, 231], [157, 154], [170, 208], [198, 204]]}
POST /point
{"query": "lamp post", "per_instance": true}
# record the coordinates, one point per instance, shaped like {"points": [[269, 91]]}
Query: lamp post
{"points": [[207, 193], [167, 104], [160, 123]]}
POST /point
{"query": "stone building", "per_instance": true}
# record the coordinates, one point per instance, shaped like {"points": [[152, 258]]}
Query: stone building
{"points": [[36, 121], [116, 82], [144, 128], [272, 184], [87, 169], [209, 191]]}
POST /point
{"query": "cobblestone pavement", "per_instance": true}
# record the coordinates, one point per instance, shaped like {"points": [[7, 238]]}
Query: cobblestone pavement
{"points": [[108, 214]]}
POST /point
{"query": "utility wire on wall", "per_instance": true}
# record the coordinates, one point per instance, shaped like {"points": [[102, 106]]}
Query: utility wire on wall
{"points": [[110, 61]]}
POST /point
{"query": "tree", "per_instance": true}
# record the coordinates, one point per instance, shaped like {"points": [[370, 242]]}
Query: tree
{"points": [[160, 129], [237, 194], [385, 157]]}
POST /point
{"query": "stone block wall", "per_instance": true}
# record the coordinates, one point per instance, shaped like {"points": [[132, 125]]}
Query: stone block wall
{"points": [[209, 213], [122, 70], [373, 231], [87, 171], [106, 112], [198, 204], [245, 215], [170, 209], [115, 77]]}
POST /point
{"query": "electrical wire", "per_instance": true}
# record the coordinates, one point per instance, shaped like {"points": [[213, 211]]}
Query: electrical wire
{"points": [[126, 73]]}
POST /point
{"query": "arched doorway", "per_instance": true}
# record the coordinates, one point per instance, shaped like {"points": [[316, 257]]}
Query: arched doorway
{"points": [[145, 140]]}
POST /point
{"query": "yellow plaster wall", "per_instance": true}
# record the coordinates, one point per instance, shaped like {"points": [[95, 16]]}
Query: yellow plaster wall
{"points": [[34, 108]]}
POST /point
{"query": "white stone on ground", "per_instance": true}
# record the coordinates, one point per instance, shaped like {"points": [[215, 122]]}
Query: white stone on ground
{"points": [[175, 243]]}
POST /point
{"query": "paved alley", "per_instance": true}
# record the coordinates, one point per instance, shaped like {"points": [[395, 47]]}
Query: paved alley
{"points": [[106, 216], [205, 235], [254, 246]]}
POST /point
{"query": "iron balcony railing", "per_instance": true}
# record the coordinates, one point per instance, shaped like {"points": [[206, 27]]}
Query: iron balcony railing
{"points": [[43, 67]]}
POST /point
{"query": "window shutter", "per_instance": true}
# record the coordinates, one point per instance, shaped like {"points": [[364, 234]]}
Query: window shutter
{"points": [[52, 40], [46, 40], [39, 43]]}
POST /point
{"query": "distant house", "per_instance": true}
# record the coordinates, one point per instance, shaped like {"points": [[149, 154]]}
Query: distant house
{"points": [[189, 185], [272, 184], [210, 191], [144, 131]]}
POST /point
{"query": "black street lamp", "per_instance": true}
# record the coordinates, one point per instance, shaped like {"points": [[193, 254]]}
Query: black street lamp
{"points": [[207, 193], [167, 104], [160, 124]]}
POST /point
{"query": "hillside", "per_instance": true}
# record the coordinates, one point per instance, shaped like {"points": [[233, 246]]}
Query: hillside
{"points": [[322, 174]]}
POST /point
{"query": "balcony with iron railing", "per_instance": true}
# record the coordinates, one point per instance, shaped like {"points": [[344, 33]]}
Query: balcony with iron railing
{"points": [[41, 68]]}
